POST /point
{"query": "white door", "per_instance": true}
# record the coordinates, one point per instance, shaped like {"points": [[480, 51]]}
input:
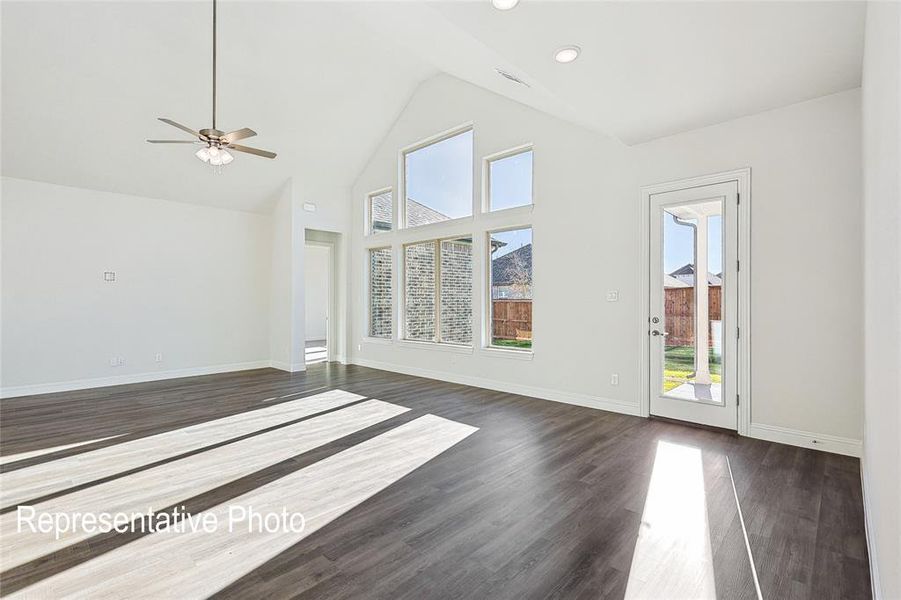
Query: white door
{"points": [[693, 304]]}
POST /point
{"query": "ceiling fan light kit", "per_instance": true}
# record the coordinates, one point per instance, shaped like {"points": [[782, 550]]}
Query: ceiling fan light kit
{"points": [[216, 144]]}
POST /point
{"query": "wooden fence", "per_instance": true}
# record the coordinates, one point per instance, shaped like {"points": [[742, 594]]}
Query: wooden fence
{"points": [[511, 319], [679, 304]]}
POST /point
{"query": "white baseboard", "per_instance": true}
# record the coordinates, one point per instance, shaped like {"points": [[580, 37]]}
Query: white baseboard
{"points": [[97, 382], [512, 388], [287, 367], [875, 582], [806, 439]]}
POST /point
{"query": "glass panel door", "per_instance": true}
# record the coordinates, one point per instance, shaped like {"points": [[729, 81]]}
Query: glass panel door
{"points": [[693, 301]]}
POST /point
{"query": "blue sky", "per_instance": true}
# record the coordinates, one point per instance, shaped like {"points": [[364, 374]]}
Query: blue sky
{"points": [[511, 181], [440, 175], [514, 239], [678, 244]]}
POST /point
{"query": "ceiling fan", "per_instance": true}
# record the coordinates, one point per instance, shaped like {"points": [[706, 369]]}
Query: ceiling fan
{"points": [[216, 144]]}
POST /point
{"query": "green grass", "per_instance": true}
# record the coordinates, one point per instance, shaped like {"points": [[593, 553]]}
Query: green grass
{"points": [[679, 363], [511, 343]]}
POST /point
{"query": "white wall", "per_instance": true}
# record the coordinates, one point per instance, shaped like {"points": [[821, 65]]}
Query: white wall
{"points": [[805, 162], [585, 221], [316, 286], [296, 212], [192, 285], [882, 293], [806, 310]]}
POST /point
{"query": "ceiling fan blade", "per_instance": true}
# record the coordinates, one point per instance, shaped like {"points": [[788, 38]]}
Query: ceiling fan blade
{"points": [[239, 134], [249, 150], [173, 142], [180, 126]]}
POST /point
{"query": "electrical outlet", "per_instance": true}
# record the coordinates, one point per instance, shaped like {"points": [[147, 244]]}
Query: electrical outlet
{"points": [[614, 379], [109, 276], [114, 362], [613, 296], [121, 361], [158, 357]]}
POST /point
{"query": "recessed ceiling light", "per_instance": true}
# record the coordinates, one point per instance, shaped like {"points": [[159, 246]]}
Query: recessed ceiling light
{"points": [[567, 54], [504, 4]]}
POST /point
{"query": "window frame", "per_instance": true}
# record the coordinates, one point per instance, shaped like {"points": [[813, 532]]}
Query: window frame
{"points": [[368, 307], [486, 178], [488, 325], [402, 177], [367, 225], [436, 339]]}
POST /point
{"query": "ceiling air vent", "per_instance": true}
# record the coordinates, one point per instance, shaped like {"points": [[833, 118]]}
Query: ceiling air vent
{"points": [[511, 77]]}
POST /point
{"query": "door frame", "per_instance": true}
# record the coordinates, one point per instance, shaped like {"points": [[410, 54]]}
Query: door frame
{"points": [[743, 365], [331, 305]]}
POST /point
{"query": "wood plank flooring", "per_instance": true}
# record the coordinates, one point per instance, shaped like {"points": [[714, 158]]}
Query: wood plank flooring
{"points": [[502, 497]]}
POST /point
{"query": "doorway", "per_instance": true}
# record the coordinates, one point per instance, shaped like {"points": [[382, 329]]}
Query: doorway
{"points": [[694, 365], [318, 301]]}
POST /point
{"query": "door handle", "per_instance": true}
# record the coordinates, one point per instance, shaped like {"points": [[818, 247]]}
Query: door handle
{"points": [[660, 333]]}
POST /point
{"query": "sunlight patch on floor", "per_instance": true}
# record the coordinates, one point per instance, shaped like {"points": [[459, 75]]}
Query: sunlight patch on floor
{"points": [[673, 557]]}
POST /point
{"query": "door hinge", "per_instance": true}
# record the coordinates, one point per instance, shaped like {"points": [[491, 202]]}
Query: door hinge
{"points": [[737, 265], [738, 332], [738, 198], [737, 400]]}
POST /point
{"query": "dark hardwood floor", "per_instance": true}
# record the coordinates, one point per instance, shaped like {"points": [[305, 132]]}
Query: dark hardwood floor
{"points": [[545, 500]]}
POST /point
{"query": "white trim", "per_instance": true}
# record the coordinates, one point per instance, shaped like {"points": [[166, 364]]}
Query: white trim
{"points": [[875, 582], [98, 382], [806, 439], [368, 339], [442, 346], [743, 177], [501, 352], [287, 367], [577, 399]]}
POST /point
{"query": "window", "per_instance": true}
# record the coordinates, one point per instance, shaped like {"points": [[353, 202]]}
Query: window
{"points": [[510, 311], [438, 290], [456, 291], [381, 211], [510, 181], [419, 291], [380, 304], [438, 181]]}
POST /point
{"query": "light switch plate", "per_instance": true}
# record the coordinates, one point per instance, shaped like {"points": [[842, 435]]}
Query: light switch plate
{"points": [[612, 295]]}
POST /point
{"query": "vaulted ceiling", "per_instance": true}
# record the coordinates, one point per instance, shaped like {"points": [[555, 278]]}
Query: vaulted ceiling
{"points": [[321, 82]]}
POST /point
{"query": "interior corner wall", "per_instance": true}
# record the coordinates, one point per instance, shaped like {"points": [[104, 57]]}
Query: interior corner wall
{"points": [[806, 249], [191, 284], [806, 225], [297, 211], [882, 294], [282, 300]]}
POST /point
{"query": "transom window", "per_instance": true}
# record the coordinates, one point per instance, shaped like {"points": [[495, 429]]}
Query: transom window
{"points": [[438, 181], [510, 180], [380, 207]]}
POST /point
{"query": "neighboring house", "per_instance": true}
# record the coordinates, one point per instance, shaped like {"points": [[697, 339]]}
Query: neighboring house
{"points": [[511, 274], [684, 276], [417, 214]]}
